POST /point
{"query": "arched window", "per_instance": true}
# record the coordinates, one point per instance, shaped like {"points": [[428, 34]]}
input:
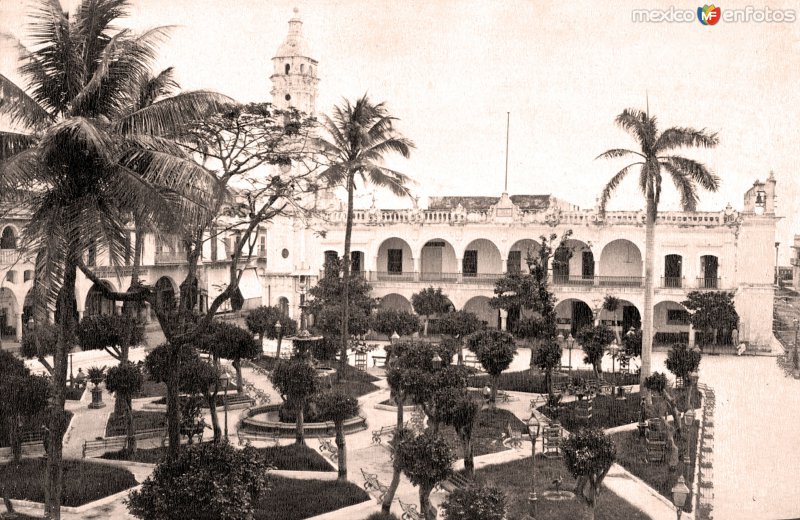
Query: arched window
{"points": [[302, 68], [286, 68], [11, 277], [8, 240], [283, 305], [27, 275]]}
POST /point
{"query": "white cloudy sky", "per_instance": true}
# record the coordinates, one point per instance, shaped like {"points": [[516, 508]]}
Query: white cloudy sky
{"points": [[451, 69]]}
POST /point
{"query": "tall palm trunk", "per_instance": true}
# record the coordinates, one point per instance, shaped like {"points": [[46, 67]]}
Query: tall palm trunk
{"points": [[56, 423], [649, 281], [130, 443], [342, 451], [237, 364], [348, 232]]}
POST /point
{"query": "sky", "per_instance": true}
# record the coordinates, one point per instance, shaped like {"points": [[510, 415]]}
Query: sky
{"points": [[451, 70]]}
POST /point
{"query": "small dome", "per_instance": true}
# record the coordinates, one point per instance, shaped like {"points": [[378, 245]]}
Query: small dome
{"points": [[294, 44]]}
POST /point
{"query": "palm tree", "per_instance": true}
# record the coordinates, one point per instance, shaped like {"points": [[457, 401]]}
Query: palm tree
{"points": [[81, 151], [361, 134], [654, 157]]}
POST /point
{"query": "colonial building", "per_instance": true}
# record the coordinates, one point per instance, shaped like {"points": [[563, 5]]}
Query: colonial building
{"points": [[461, 244]]}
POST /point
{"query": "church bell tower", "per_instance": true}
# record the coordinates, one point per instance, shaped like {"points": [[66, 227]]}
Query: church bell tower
{"points": [[294, 71]]}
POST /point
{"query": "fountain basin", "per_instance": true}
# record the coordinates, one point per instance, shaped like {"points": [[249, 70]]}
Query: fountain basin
{"points": [[264, 419]]}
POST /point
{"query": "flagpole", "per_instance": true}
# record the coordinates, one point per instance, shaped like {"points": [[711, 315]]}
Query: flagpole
{"points": [[508, 125]]}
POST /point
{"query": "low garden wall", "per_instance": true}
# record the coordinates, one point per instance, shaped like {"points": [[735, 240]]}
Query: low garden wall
{"points": [[251, 423]]}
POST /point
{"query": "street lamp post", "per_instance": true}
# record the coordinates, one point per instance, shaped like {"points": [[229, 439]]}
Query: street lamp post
{"points": [[534, 429], [570, 344], [279, 333], [679, 494], [70, 370]]}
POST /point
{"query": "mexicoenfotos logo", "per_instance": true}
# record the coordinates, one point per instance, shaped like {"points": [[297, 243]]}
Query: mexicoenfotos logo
{"points": [[709, 15]]}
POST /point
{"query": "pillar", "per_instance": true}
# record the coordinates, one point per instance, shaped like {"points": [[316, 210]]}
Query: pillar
{"points": [[417, 263], [18, 334], [459, 270], [503, 319], [691, 336]]}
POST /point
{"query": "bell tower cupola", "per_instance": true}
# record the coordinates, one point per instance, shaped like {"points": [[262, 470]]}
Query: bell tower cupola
{"points": [[294, 71]]}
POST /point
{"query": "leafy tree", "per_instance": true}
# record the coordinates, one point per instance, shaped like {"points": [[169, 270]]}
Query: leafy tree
{"points": [[164, 364], [125, 380], [593, 340], [547, 357], [201, 378], [632, 343], [426, 460], [359, 136], [657, 382], [110, 332], [327, 301], [517, 292], [262, 320], [428, 302], [495, 350], [460, 324], [234, 343], [40, 343], [588, 455], [651, 159], [338, 406], [459, 410], [296, 381], [389, 321], [204, 481], [21, 395], [681, 361], [712, 311], [475, 503]]}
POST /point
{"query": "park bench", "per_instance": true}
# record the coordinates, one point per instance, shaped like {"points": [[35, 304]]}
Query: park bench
{"points": [[371, 483], [377, 359], [512, 438], [245, 437], [551, 441], [329, 446], [361, 361], [104, 444], [453, 482], [471, 361], [385, 430], [583, 410], [410, 512]]}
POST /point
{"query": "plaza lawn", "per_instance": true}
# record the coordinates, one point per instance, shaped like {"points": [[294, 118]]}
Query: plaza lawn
{"points": [[141, 421], [295, 457], [514, 479], [74, 393], [631, 456], [608, 411], [487, 435], [534, 381], [294, 499], [84, 481], [151, 389]]}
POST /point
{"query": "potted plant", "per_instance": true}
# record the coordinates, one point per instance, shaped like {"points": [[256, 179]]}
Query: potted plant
{"points": [[96, 376]]}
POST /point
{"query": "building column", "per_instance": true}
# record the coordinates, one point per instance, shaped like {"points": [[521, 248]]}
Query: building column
{"points": [[504, 265], [18, 333], [691, 336], [596, 279], [459, 270], [503, 319], [80, 316], [417, 263]]}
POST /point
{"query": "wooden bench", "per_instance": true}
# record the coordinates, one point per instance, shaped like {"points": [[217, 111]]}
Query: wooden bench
{"points": [[381, 359], [453, 482], [371, 483], [105, 444], [655, 442], [410, 512], [384, 430], [329, 446], [551, 441], [471, 360], [512, 438], [361, 361], [245, 437]]}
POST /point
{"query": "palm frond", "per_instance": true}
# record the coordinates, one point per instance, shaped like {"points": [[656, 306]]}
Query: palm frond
{"points": [[19, 172], [633, 121], [695, 170], [387, 178], [617, 152], [12, 143], [100, 74], [172, 116], [684, 185], [20, 107], [399, 145], [677, 137], [92, 20], [154, 88], [612, 184]]}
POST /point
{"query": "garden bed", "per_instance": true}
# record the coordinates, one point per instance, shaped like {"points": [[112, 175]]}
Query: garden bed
{"points": [[75, 393], [295, 457], [293, 499], [631, 456], [515, 479], [116, 424], [487, 435], [84, 481], [353, 382], [151, 389]]}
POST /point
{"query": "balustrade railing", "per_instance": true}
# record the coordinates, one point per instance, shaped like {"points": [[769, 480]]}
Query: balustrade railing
{"points": [[671, 282], [438, 277], [480, 277], [708, 283]]}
